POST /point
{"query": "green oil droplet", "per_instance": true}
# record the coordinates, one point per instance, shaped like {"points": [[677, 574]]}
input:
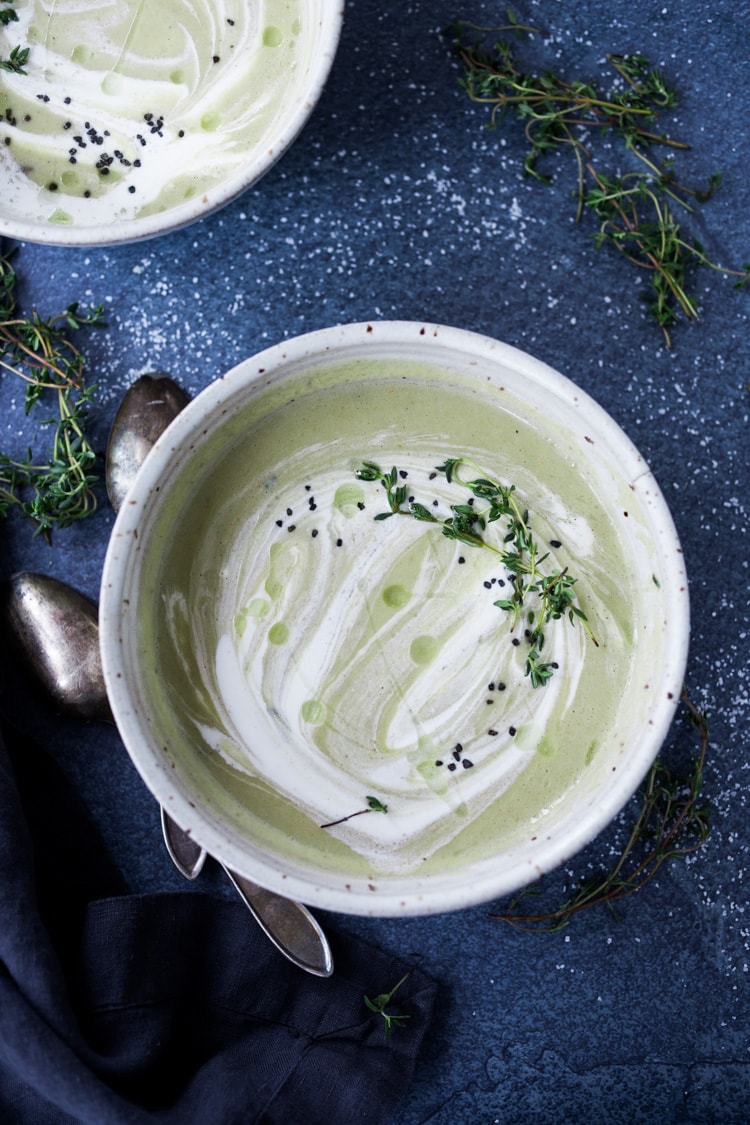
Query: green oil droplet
{"points": [[313, 711], [546, 748], [272, 36], [258, 607], [278, 634], [346, 498], [424, 650], [61, 217], [111, 83], [211, 121], [177, 77], [396, 596], [296, 27], [240, 621], [80, 54]]}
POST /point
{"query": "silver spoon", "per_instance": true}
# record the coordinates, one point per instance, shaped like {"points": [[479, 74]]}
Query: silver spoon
{"points": [[56, 630], [146, 409]]}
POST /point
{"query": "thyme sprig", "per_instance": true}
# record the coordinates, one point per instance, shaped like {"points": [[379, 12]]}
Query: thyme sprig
{"points": [[537, 598], [381, 1002], [55, 492], [634, 210], [672, 823], [374, 804], [19, 56]]}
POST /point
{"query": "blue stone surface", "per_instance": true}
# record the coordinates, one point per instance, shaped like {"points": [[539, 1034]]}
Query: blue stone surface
{"points": [[397, 202]]}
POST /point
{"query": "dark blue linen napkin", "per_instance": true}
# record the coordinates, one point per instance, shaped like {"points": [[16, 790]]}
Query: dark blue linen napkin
{"points": [[174, 1008]]}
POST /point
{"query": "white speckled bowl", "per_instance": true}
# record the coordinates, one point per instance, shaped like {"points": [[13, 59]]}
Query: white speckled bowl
{"points": [[105, 143], [178, 592]]}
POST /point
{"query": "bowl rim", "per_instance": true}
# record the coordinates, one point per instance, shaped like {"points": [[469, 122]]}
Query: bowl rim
{"points": [[213, 198], [428, 895]]}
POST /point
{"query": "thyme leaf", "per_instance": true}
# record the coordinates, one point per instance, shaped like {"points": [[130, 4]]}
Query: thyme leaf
{"points": [[18, 57], [374, 804], [58, 491], [381, 1002]]}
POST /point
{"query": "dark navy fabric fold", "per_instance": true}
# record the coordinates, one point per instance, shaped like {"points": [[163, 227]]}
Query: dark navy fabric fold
{"points": [[119, 1009]]}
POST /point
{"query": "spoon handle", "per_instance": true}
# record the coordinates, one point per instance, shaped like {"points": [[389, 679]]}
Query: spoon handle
{"points": [[288, 924], [187, 856]]}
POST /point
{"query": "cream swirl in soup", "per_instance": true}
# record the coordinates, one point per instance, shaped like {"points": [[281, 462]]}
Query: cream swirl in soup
{"points": [[339, 657], [129, 107]]}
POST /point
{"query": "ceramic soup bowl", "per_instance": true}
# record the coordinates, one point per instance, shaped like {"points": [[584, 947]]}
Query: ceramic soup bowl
{"points": [[130, 118], [394, 619]]}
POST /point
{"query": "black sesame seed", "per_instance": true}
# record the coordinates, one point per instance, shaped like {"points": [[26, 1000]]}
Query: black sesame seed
{"points": [[68, 125], [339, 542], [555, 543], [515, 642], [501, 686], [488, 585], [403, 474], [314, 533], [52, 186], [459, 747], [289, 512], [131, 189], [292, 527], [492, 732], [461, 560], [432, 476], [308, 487], [217, 58], [439, 762], [181, 133], [451, 766], [467, 763], [67, 101], [360, 505], [457, 755], [511, 731], [279, 523]]}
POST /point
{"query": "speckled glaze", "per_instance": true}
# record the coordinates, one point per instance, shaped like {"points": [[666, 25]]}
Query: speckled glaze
{"points": [[137, 118], [238, 770]]}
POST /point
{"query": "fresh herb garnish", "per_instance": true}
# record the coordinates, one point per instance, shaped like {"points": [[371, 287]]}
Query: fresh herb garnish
{"points": [[18, 57], [39, 351], [374, 804], [633, 209], [671, 824], [381, 1002], [536, 598]]}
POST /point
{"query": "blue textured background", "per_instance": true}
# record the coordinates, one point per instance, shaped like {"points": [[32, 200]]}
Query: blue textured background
{"points": [[396, 202]]}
